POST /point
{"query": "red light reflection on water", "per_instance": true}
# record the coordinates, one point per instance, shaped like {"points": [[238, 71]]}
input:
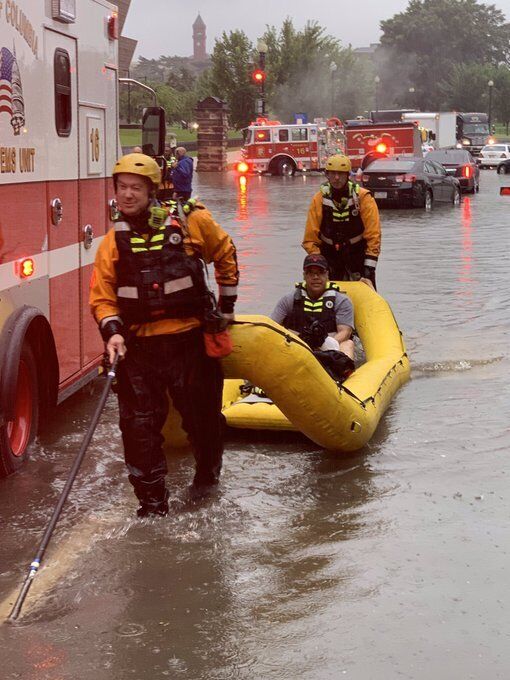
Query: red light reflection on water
{"points": [[43, 656], [465, 277], [242, 198]]}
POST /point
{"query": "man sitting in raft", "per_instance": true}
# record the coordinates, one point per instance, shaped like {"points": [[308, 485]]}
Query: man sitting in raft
{"points": [[321, 316]]}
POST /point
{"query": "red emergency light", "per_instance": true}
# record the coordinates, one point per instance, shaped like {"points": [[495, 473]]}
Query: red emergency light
{"points": [[504, 191], [113, 26], [242, 167], [381, 147], [26, 268], [258, 76]]}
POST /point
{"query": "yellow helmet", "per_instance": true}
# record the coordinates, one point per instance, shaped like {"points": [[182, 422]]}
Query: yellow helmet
{"points": [[338, 163], [139, 164]]}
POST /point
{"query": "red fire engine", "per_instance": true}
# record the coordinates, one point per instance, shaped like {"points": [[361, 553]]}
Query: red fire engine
{"points": [[395, 139], [270, 146], [58, 143]]}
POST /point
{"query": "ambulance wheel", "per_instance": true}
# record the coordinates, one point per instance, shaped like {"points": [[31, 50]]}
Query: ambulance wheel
{"points": [[17, 435], [285, 167]]}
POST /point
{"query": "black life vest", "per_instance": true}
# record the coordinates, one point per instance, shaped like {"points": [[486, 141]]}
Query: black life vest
{"points": [[341, 220], [341, 233], [156, 278], [306, 310]]}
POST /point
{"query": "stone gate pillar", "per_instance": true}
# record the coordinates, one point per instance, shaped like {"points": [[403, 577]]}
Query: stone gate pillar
{"points": [[211, 116]]}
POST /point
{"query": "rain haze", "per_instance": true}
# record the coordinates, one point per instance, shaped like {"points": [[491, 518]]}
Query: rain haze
{"points": [[170, 32]]}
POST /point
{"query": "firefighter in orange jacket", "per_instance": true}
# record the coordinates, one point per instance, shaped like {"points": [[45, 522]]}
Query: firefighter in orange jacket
{"points": [[148, 295], [343, 224]]}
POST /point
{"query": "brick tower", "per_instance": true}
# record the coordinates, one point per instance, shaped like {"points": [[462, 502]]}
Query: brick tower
{"points": [[199, 38]]}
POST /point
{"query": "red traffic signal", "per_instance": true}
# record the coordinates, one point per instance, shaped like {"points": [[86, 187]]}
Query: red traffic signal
{"points": [[258, 76]]}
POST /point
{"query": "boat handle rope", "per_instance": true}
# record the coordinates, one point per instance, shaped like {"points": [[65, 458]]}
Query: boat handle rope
{"points": [[289, 338]]}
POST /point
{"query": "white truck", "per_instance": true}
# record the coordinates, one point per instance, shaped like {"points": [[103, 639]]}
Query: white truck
{"points": [[440, 126]]}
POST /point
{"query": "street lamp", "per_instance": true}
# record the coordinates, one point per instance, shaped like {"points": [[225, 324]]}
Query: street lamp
{"points": [[377, 80], [262, 50], [491, 85], [332, 69]]}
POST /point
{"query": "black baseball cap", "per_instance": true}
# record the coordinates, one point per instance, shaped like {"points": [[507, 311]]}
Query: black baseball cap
{"points": [[316, 260]]}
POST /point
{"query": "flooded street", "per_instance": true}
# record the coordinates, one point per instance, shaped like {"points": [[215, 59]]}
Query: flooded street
{"points": [[389, 563]]}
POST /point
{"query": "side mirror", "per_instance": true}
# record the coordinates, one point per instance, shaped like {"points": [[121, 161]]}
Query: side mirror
{"points": [[478, 161], [153, 131]]}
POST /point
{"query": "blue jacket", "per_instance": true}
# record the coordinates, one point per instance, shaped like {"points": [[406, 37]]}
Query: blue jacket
{"points": [[182, 174]]}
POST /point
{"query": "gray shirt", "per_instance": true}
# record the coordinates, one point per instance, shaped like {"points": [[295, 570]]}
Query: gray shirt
{"points": [[344, 311]]}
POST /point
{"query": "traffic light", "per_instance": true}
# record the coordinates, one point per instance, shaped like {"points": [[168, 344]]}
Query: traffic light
{"points": [[258, 76]]}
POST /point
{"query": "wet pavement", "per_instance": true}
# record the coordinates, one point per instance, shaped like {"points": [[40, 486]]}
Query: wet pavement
{"points": [[390, 563]]}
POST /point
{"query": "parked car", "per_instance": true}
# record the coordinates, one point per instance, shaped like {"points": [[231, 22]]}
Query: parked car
{"points": [[504, 167], [458, 163], [492, 154], [410, 182]]}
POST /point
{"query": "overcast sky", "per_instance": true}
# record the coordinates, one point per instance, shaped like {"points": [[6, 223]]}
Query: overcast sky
{"points": [[165, 26]]}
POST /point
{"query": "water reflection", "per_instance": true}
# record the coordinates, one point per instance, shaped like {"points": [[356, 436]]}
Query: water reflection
{"points": [[465, 274]]}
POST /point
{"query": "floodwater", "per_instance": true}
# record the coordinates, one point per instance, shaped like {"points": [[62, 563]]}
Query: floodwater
{"points": [[389, 563]]}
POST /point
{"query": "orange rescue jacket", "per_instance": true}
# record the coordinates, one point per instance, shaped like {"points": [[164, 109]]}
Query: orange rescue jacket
{"points": [[369, 214], [204, 237]]}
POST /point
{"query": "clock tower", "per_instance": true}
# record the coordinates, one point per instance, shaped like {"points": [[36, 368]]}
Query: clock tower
{"points": [[199, 38]]}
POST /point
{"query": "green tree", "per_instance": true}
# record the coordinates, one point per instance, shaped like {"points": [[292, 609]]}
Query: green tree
{"points": [[309, 71], [230, 78], [422, 45]]}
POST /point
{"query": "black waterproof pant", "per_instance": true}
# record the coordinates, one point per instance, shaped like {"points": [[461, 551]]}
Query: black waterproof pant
{"points": [[346, 263], [176, 363]]}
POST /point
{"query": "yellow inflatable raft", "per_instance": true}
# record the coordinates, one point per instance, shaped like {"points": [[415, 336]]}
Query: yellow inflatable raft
{"points": [[305, 397]]}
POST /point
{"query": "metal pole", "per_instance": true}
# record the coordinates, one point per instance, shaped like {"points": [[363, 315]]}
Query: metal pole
{"points": [[491, 85], [129, 100], [262, 65], [36, 562]]}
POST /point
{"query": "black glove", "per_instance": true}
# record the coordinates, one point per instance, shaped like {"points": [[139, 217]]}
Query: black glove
{"points": [[314, 335], [112, 327], [369, 273]]}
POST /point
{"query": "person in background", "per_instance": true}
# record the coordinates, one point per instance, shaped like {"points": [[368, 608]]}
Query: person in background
{"points": [[182, 174], [321, 315], [343, 225], [149, 297]]}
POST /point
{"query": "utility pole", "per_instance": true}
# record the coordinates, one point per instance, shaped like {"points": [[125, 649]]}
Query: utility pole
{"points": [[262, 50], [491, 85]]}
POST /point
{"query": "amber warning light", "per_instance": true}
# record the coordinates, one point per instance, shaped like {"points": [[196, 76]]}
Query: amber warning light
{"points": [[25, 267]]}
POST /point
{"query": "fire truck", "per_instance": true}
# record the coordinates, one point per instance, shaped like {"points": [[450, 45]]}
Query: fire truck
{"points": [[58, 143], [279, 149], [395, 139]]}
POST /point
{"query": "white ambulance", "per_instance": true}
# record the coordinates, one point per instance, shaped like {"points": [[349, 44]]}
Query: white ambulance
{"points": [[58, 144]]}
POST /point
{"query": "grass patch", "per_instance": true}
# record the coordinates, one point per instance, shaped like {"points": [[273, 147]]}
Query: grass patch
{"points": [[133, 137]]}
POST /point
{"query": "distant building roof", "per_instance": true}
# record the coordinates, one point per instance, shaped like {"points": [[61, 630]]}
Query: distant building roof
{"points": [[199, 22], [371, 49]]}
